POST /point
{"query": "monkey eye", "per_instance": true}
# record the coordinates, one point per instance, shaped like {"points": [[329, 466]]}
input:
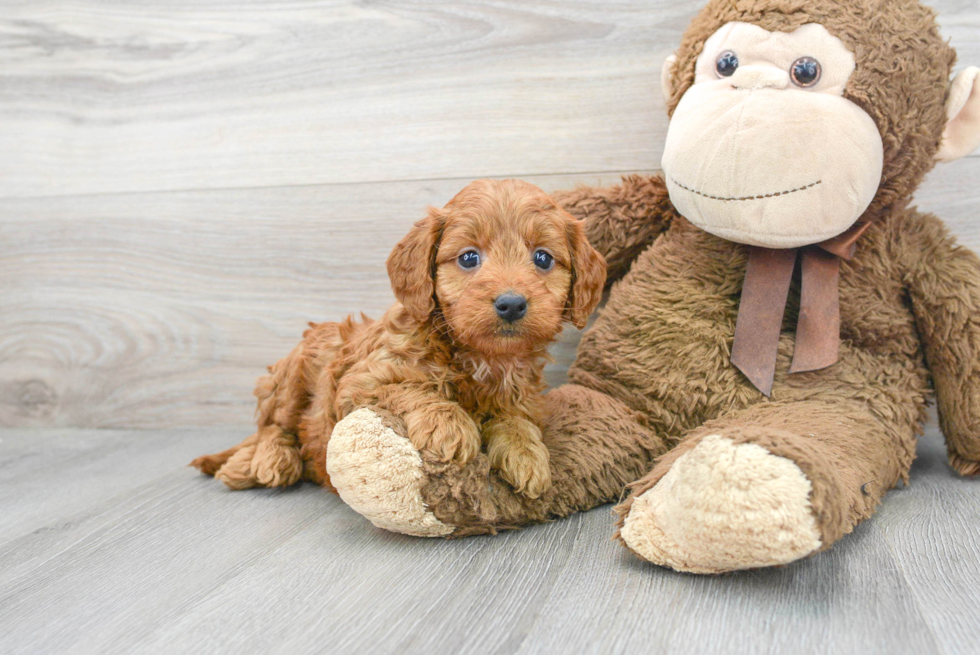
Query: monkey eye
{"points": [[805, 71], [726, 63], [469, 260], [543, 260]]}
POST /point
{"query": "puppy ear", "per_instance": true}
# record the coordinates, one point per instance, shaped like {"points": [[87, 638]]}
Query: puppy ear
{"points": [[588, 276], [411, 266]]}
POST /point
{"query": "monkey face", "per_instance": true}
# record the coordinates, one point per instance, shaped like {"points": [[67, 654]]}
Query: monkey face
{"points": [[763, 149]]}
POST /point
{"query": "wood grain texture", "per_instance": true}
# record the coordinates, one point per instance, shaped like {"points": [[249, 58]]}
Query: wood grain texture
{"points": [[109, 97], [50, 481], [47, 474], [173, 562], [103, 97], [184, 184], [932, 523]]}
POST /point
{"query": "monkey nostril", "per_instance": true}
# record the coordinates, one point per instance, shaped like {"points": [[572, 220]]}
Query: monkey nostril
{"points": [[510, 306]]}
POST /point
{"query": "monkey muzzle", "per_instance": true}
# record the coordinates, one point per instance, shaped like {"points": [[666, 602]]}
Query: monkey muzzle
{"points": [[778, 168]]}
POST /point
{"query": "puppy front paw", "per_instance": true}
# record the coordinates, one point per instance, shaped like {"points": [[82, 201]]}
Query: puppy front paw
{"points": [[516, 451], [444, 430], [524, 464]]}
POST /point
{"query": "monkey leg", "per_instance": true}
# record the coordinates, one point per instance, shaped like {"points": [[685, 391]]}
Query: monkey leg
{"points": [[763, 486], [596, 445]]}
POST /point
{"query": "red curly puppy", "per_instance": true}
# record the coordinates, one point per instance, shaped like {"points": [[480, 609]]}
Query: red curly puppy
{"points": [[483, 287]]}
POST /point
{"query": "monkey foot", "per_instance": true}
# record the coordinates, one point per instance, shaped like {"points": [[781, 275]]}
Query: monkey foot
{"points": [[724, 507], [378, 473]]}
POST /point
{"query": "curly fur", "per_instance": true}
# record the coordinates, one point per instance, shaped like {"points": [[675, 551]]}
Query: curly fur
{"points": [[440, 359]]}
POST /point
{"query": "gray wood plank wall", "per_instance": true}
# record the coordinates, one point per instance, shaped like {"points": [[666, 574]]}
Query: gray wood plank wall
{"points": [[183, 184]]}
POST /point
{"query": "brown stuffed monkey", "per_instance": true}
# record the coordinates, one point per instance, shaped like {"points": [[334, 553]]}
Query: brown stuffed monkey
{"points": [[781, 316]]}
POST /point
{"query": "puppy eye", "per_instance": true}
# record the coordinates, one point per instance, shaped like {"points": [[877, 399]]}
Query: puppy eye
{"points": [[805, 71], [469, 259], [543, 260], [726, 63]]}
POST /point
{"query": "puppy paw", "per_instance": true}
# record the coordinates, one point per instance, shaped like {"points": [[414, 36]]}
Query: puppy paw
{"points": [[446, 431], [271, 460], [236, 473], [524, 463], [277, 461]]}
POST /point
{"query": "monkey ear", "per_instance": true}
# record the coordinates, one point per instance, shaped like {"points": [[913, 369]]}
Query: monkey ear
{"points": [[588, 276], [665, 76], [410, 266], [962, 133]]}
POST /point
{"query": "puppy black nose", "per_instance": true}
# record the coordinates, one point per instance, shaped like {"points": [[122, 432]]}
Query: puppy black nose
{"points": [[510, 306]]}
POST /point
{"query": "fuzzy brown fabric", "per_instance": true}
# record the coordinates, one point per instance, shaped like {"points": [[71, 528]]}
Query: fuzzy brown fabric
{"points": [[656, 367]]}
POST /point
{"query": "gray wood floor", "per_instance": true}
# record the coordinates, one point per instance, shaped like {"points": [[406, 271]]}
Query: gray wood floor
{"points": [[184, 184], [109, 544]]}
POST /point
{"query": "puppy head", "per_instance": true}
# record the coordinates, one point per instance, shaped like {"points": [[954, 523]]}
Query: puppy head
{"points": [[505, 264]]}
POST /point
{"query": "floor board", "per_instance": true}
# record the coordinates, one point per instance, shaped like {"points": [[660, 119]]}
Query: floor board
{"points": [[53, 483], [172, 562], [928, 532]]}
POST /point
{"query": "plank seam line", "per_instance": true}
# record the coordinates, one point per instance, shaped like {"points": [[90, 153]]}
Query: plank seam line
{"points": [[302, 185]]}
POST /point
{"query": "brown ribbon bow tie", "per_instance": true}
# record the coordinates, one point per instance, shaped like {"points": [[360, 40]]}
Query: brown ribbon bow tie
{"points": [[764, 294]]}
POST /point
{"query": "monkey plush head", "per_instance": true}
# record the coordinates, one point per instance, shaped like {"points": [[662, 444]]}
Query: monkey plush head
{"points": [[791, 120]]}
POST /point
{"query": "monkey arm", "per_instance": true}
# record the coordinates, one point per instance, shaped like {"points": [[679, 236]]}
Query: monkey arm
{"points": [[621, 220], [944, 284]]}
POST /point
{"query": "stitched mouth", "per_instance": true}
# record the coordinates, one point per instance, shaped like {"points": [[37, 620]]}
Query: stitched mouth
{"points": [[739, 199]]}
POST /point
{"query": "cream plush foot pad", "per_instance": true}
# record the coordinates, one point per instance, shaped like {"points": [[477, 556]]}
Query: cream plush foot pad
{"points": [[379, 474], [724, 507]]}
